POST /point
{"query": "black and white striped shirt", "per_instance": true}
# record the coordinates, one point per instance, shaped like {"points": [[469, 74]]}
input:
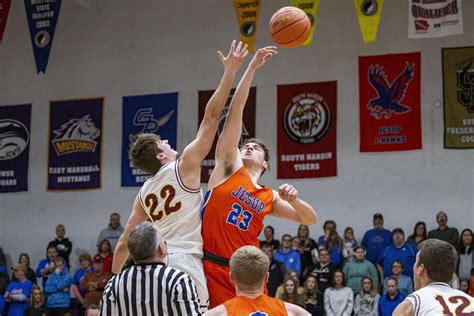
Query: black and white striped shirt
{"points": [[152, 289]]}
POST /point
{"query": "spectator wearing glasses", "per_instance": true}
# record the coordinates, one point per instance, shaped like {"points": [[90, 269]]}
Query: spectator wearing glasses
{"points": [[323, 270], [405, 284], [290, 258]]}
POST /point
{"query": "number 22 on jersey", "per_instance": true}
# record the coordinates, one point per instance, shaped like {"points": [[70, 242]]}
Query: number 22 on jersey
{"points": [[167, 193]]}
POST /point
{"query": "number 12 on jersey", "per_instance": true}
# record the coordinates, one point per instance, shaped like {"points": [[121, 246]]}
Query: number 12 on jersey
{"points": [[239, 217]]}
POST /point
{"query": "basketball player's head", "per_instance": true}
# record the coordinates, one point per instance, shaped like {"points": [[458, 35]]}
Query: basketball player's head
{"points": [[146, 245], [149, 152], [435, 262], [254, 152], [249, 268]]}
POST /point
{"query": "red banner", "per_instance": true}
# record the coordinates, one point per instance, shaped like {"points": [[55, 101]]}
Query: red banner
{"points": [[4, 9], [248, 128], [307, 117], [389, 97]]}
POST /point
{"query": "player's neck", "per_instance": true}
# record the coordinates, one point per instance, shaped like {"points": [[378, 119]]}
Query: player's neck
{"points": [[249, 293], [254, 172]]}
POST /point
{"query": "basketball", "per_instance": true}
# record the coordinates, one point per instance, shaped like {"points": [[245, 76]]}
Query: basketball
{"points": [[289, 27]]}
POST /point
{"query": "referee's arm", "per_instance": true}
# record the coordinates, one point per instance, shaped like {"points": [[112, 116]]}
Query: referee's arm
{"points": [[186, 301], [108, 303]]}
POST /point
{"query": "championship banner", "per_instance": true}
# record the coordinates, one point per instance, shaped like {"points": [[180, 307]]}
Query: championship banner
{"points": [[248, 126], [389, 102], [368, 13], [307, 125], [458, 85], [4, 10], [428, 18], [42, 19], [153, 113], [15, 122], [247, 12], [75, 144], [310, 7]]}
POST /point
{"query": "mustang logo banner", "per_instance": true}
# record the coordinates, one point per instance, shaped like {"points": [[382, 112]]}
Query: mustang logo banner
{"points": [[75, 144], [389, 93]]}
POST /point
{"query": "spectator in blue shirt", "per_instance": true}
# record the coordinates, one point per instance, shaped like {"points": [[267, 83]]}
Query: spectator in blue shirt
{"points": [[19, 291], [328, 226], [57, 289], [405, 284], [85, 260], [290, 258], [375, 240], [46, 266], [389, 301], [399, 250]]}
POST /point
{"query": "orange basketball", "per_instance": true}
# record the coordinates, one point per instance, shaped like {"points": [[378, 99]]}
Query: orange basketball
{"points": [[290, 27]]}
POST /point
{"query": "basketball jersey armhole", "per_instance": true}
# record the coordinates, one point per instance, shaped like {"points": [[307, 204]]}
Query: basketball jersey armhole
{"points": [[180, 182], [415, 302], [141, 199]]}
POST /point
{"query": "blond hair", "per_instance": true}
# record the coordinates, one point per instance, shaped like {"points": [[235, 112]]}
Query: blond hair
{"points": [[248, 266]]}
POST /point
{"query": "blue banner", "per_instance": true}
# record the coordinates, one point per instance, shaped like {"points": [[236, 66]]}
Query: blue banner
{"points": [[42, 18], [14, 147], [154, 113], [75, 144]]}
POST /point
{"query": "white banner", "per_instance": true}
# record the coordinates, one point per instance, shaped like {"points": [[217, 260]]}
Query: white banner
{"points": [[434, 18]]}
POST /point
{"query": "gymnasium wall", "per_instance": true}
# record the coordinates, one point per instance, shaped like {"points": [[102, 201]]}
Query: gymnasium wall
{"points": [[143, 47]]}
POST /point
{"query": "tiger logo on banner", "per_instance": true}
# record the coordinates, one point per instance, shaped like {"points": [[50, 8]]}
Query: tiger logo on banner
{"points": [[310, 7], [247, 12], [369, 12]]}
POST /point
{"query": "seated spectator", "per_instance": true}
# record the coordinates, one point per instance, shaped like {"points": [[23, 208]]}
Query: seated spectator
{"points": [[313, 299], [63, 245], [377, 239], [401, 250], [323, 270], [85, 262], [367, 301], [328, 226], [112, 232], [443, 232], [290, 258], [349, 243], [296, 244], [30, 274], [46, 266], [107, 256], [269, 234], [92, 310], [57, 289], [389, 301], [307, 244], [290, 293], [335, 245], [404, 283], [37, 306], [290, 274], [359, 268], [93, 283], [464, 286], [466, 256], [419, 233], [19, 292], [276, 271], [338, 299]]}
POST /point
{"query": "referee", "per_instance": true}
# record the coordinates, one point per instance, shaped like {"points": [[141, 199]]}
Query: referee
{"points": [[149, 287]]}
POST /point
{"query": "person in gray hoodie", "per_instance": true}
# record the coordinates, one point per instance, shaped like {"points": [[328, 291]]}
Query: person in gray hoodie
{"points": [[338, 299], [112, 232], [367, 301]]}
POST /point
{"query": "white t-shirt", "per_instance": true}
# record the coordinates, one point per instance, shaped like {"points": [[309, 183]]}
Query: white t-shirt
{"points": [[174, 209], [439, 299]]}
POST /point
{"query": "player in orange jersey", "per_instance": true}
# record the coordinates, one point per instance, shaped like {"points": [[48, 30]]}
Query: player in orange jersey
{"points": [[236, 204], [249, 272]]}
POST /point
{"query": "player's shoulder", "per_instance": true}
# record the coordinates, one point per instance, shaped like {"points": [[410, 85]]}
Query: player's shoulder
{"points": [[294, 310]]}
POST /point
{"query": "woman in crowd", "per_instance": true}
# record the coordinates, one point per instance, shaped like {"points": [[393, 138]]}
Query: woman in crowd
{"points": [[57, 289], [367, 301], [328, 226], [338, 299], [313, 299], [349, 244], [419, 233], [290, 293], [405, 284], [307, 245], [37, 307], [335, 244], [464, 286], [466, 257], [269, 234], [24, 259], [105, 251], [18, 292], [359, 268], [289, 274]]}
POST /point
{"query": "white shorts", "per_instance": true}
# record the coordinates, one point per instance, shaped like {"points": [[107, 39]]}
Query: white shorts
{"points": [[191, 264]]}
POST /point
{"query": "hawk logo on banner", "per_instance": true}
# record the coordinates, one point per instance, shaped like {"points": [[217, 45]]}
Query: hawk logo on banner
{"points": [[389, 96], [4, 10], [310, 7], [14, 139], [307, 118], [247, 12], [76, 135], [368, 13]]}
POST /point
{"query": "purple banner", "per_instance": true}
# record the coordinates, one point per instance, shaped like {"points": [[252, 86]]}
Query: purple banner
{"points": [[14, 147], [75, 144]]}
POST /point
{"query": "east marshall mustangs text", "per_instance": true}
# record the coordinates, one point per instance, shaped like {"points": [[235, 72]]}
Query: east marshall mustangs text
{"points": [[7, 182], [71, 173]]}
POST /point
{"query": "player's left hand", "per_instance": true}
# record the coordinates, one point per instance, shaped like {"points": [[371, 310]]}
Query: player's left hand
{"points": [[288, 192]]}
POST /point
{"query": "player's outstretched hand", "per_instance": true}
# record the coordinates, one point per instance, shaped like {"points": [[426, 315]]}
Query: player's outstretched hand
{"points": [[288, 192], [234, 58], [262, 55]]}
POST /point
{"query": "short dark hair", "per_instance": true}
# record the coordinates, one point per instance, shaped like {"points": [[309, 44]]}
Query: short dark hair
{"points": [[271, 228], [143, 151], [286, 235], [399, 262], [142, 242], [439, 259], [393, 279]]}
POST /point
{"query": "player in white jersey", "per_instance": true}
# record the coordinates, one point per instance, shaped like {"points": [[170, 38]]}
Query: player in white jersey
{"points": [[172, 197], [434, 268]]}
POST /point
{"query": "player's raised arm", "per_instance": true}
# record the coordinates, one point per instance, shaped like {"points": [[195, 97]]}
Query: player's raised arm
{"points": [[227, 145], [287, 205]]}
